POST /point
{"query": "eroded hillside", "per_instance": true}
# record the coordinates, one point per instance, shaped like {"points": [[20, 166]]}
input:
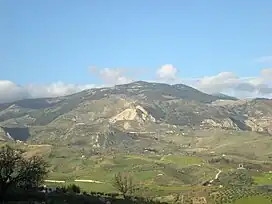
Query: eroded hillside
{"points": [[131, 117]]}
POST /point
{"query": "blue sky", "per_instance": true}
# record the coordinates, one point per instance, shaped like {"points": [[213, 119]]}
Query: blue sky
{"points": [[49, 41]]}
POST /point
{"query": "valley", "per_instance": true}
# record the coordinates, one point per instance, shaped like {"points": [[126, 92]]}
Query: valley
{"points": [[170, 138]]}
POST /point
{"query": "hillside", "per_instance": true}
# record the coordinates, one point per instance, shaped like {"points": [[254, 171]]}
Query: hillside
{"points": [[170, 138], [131, 117]]}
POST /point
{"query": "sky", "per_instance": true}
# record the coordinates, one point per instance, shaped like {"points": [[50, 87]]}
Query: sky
{"points": [[53, 48]]}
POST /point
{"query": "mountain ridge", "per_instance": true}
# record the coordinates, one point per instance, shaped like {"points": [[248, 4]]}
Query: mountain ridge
{"points": [[139, 111], [43, 101]]}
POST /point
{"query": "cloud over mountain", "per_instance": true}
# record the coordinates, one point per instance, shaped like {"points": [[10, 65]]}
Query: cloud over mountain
{"points": [[225, 82], [259, 86], [167, 73], [9, 91]]}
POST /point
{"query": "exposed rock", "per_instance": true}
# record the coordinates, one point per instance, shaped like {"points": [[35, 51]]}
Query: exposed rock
{"points": [[263, 124], [137, 113], [225, 123]]}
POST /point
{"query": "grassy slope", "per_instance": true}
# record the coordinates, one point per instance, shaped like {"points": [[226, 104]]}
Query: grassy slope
{"points": [[264, 179], [157, 175], [68, 164], [152, 172], [253, 200]]}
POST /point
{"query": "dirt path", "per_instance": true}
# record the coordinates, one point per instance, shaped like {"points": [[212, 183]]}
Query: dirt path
{"points": [[77, 180], [40, 145], [217, 175], [88, 181], [54, 181]]}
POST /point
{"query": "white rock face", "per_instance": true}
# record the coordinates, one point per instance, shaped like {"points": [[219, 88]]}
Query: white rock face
{"points": [[261, 124], [137, 113], [9, 136], [225, 123]]}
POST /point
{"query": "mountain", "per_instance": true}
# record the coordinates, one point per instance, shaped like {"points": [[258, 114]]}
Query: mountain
{"points": [[225, 97], [131, 117]]}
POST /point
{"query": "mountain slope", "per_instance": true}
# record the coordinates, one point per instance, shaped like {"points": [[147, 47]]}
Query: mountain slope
{"points": [[225, 97], [131, 117]]}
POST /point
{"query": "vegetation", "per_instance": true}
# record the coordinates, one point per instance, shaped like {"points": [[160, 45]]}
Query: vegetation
{"points": [[236, 178], [17, 171], [238, 195], [73, 188], [24, 171], [123, 183], [263, 179], [173, 140]]}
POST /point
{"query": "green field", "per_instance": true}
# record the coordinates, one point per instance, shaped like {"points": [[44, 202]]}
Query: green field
{"points": [[265, 178], [154, 172], [159, 176], [253, 200]]}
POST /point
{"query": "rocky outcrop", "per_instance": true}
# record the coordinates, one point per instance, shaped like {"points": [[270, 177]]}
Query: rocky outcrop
{"points": [[262, 125], [226, 123], [137, 113]]}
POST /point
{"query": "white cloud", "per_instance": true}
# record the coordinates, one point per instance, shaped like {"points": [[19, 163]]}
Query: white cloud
{"points": [[10, 91], [55, 89], [256, 81], [218, 83], [114, 76], [167, 73], [111, 77], [228, 82]]}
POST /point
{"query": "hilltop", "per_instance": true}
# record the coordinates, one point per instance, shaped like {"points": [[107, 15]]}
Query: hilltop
{"points": [[130, 112]]}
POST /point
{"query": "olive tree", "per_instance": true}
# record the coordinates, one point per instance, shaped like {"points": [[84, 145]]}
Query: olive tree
{"points": [[19, 171]]}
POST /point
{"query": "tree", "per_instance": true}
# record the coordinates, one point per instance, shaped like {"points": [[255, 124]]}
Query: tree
{"points": [[73, 188], [18, 171], [124, 184]]}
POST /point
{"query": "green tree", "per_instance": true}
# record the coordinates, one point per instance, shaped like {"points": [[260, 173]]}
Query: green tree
{"points": [[124, 183], [18, 171], [73, 188]]}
